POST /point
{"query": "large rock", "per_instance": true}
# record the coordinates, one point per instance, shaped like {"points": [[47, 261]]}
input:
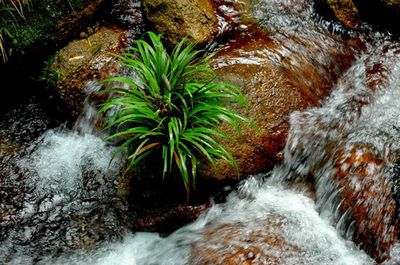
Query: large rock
{"points": [[349, 147], [85, 60], [278, 75], [195, 19]]}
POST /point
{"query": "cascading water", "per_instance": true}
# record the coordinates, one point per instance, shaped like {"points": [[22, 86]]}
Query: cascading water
{"points": [[59, 202], [59, 188]]}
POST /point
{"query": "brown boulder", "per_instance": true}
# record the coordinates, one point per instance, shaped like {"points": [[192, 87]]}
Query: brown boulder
{"points": [[278, 74], [81, 61], [179, 18]]}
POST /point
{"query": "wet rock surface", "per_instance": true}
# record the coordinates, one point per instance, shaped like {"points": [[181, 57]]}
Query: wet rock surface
{"points": [[195, 19], [167, 219], [349, 156], [368, 200], [86, 60], [278, 74], [127, 14], [230, 244]]}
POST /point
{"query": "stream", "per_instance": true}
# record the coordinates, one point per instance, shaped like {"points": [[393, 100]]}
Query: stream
{"points": [[59, 200]]}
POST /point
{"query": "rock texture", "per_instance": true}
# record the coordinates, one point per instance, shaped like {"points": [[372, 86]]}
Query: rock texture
{"points": [[232, 244], [368, 198], [195, 19], [7, 148], [278, 75], [85, 60]]}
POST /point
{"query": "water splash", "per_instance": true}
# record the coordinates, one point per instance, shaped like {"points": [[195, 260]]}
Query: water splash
{"points": [[290, 216]]}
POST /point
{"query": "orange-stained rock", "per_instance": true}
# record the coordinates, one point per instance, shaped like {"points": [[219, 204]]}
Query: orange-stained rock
{"points": [[368, 198], [233, 244], [88, 59], [278, 74]]}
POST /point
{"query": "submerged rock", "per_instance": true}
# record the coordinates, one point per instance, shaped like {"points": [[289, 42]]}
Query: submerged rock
{"points": [[195, 19], [85, 60], [233, 244]]}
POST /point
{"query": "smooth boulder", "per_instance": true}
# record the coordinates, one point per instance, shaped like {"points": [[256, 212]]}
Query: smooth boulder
{"points": [[195, 19]]}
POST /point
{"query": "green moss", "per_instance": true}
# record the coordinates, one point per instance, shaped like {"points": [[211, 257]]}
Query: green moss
{"points": [[49, 75], [41, 25]]}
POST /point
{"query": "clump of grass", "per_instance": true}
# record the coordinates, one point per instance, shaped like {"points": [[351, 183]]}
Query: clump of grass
{"points": [[171, 109], [12, 7]]}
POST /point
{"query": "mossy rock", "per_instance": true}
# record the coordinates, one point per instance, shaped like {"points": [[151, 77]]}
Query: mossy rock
{"points": [[47, 23], [82, 61]]}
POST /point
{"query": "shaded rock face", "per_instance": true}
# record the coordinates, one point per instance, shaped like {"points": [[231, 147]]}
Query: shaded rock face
{"points": [[167, 219], [345, 11], [86, 60], [179, 18], [351, 12], [278, 73]]}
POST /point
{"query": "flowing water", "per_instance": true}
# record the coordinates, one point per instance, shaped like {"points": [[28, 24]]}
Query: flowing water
{"points": [[59, 201]]}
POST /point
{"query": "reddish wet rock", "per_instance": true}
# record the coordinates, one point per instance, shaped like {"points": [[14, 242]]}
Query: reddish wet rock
{"points": [[278, 74], [233, 244], [366, 197]]}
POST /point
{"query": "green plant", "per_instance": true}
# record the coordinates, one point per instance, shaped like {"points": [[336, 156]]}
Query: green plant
{"points": [[49, 74], [11, 7], [171, 108]]}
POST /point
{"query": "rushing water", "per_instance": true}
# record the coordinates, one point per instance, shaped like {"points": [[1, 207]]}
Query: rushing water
{"points": [[59, 201]]}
